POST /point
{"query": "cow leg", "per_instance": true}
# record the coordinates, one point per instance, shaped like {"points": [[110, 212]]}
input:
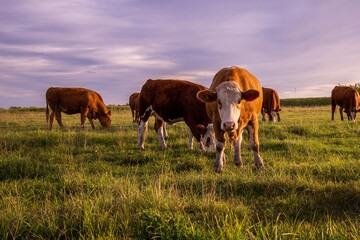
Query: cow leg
{"points": [[143, 128], [190, 140], [237, 150], [58, 119], [341, 114], [84, 113], [333, 107], [91, 121], [52, 115], [253, 129], [166, 136], [263, 115], [159, 129], [278, 116], [220, 147]]}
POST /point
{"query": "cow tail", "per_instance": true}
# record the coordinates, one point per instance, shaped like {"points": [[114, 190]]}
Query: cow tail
{"points": [[47, 111], [354, 103], [273, 102]]}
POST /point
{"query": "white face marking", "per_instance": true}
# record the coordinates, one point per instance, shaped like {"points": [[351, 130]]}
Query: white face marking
{"points": [[273, 116], [352, 115], [228, 100], [209, 140]]}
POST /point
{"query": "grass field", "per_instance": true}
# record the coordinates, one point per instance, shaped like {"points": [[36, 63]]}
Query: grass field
{"points": [[95, 184]]}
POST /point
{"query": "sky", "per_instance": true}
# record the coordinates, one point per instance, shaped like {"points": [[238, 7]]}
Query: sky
{"points": [[301, 48]]}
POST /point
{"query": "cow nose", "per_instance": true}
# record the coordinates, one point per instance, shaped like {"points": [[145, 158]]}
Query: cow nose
{"points": [[229, 125]]}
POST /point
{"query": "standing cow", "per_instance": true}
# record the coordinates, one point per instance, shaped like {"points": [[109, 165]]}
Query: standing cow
{"points": [[271, 105], [234, 102], [76, 100], [347, 98], [134, 106], [171, 101]]}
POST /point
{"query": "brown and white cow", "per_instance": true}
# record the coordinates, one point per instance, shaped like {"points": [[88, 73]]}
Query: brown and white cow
{"points": [[171, 101], [76, 100], [134, 106], [234, 102], [347, 98], [271, 105]]}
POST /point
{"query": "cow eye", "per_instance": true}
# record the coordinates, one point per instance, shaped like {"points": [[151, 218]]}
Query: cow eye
{"points": [[219, 103], [239, 100]]}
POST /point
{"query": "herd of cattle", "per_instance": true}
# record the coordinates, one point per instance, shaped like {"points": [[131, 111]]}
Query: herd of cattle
{"points": [[231, 104]]}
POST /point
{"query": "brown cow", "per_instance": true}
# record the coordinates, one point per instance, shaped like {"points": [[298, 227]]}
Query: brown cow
{"points": [[347, 98], [234, 102], [172, 101], [134, 106], [76, 100], [271, 105]]}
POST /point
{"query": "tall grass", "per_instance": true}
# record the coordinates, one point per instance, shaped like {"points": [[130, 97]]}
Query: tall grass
{"points": [[86, 184]]}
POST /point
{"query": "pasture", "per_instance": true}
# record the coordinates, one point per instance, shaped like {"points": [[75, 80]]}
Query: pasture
{"points": [[95, 184]]}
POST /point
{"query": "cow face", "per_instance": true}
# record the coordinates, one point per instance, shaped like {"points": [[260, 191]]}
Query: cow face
{"points": [[207, 136], [228, 97], [105, 119]]}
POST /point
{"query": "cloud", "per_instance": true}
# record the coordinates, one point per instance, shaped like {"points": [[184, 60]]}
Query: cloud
{"points": [[114, 46]]}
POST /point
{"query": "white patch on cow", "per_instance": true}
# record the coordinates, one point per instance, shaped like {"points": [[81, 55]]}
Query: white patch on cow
{"points": [[209, 140], [228, 97], [190, 140], [273, 116], [160, 135], [166, 135], [220, 157], [148, 109], [143, 127]]}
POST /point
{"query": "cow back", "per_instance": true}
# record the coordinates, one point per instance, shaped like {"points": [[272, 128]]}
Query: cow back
{"points": [[172, 99]]}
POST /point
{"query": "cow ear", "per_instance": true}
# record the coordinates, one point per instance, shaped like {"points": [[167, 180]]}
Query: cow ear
{"points": [[201, 129], [206, 96], [109, 113], [250, 95]]}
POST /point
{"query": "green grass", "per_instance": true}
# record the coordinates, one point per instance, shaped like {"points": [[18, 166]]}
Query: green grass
{"points": [[95, 184]]}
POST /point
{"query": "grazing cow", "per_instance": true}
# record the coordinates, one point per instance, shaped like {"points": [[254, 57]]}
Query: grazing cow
{"points": [[347, 98], [271, 105], [171, 101], [76, 100], [234, 102], [134, 106]]}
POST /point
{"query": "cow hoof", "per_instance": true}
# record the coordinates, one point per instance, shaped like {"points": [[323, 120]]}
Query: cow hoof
{"points": [[238, 164], [259, 166], [140, 148], [217, 168]]}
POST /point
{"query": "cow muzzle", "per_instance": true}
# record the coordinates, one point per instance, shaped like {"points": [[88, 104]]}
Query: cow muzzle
{"points": [[229, 126]]}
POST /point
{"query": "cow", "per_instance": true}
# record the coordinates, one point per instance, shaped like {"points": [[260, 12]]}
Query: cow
{"points": [[76, 100], [347, 98], [271, 105], [171, 101], [233, 102], [134, 106]]}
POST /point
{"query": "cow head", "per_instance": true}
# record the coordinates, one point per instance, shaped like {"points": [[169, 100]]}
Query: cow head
{"points": [[207, 136], [105, 119], [228, 97]]}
